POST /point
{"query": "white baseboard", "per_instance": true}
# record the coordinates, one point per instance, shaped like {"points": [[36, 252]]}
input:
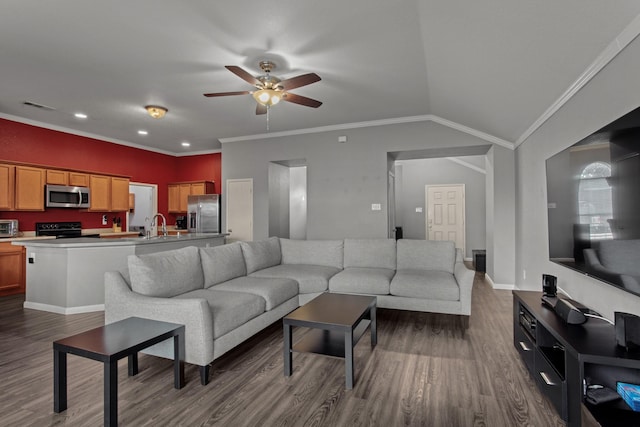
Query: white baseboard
{"points": [[499, 286], [63, 310]]}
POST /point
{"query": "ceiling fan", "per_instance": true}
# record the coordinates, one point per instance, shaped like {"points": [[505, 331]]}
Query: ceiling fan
{"points": [[270, 89]]}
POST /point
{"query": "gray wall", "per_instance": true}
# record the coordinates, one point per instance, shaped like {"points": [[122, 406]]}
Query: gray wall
{"points": [[298, 203], [279, 183], [413, 175], [344, 179], [609, 95]]}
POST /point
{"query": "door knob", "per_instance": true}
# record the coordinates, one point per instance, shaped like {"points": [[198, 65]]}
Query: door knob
{"points": [[230, 230]]}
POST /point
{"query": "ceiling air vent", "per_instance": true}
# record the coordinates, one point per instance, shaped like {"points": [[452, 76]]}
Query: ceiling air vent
{"points": [[40, 106]]}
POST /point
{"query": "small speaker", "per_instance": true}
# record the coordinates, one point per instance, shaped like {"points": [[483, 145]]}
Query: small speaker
{"points": [[627, 330], [569, 313], [549, 285]]}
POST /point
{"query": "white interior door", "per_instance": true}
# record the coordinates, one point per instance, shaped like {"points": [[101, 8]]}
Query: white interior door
{"points": [[445, 213], [239, 215]]}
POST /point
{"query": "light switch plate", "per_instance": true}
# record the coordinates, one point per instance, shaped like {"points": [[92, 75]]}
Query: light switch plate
{"points": [[375, 207], [419, 210]]}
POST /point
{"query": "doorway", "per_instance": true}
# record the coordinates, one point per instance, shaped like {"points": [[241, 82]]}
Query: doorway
{"points": [[145, 205], [288, 199], [445, 219], [239, 215]]}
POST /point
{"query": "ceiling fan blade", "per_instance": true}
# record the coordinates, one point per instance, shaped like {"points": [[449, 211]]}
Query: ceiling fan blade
{"points": [[299, 81], [302, 100], [244, 75], [261, 109], [244, 92]]}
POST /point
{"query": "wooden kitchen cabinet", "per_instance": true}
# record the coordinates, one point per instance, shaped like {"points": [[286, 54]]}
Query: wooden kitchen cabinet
{"points": [[12, 269], [174, 198], [57, 177], [119, 194], [78, 179], [7, 186], [29, 188], [179, 191], [109, 193], [100, 186]]}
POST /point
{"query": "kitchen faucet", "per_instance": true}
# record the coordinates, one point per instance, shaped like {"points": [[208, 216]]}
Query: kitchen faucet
{"points": [[164, 223]]}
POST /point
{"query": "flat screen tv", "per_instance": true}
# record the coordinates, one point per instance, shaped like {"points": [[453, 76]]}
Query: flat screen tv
{"points": [[593, 204]]}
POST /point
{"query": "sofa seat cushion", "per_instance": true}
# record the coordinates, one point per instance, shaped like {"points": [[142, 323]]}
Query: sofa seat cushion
{"points": [[261, 254], [228, 309], [166, 274], [310, 278], [222, 263], [274, 290], [432, 284], [362, 280]]}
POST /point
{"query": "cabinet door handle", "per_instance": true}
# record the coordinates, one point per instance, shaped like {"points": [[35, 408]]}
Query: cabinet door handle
{"points": [[546, 379], [524, 346]]}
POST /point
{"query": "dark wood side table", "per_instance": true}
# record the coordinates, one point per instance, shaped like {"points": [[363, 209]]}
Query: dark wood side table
{"points": [[339, 321], [108, 344]]}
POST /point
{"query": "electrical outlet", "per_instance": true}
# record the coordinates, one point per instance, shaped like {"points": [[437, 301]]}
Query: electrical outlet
{"points": [[32, 258], [524, 274], [375, 207], [104, 220]]}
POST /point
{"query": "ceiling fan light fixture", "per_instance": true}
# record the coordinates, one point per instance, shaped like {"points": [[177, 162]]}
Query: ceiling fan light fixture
{"points": [[156, 111], [267, 97]]}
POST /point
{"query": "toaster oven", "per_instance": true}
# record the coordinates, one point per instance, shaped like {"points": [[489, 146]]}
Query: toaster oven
{"points": [[8, 227]]}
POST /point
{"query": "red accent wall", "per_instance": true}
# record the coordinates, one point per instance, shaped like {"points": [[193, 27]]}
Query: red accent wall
{"points": [[20, 142]]}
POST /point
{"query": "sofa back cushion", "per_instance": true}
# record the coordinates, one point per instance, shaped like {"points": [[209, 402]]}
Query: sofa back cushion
{"points": [[166, 274], [327, 253], [621, 256], [222, 263], [426, 255], [261, 254], [370, 253]]}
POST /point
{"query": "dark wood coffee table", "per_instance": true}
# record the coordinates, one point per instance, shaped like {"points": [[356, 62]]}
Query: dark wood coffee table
{"points": [[338, 322], [108, 344]]}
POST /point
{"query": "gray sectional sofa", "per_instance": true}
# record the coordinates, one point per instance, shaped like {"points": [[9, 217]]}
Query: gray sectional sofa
{"points": [[226, 294]]}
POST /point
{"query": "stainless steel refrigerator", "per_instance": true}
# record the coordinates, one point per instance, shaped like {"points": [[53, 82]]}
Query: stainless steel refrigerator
{"points": [[203, 213]]}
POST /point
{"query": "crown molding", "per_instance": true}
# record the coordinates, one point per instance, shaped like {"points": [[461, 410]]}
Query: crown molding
{"points": [[102, 138], [628, 34], [466, 164], [372, 123]]}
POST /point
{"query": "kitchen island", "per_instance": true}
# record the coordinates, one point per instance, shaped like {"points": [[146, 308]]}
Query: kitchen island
{"points": [[66, 276]]}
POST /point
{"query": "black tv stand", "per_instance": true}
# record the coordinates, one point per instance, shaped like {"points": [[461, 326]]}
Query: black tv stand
{"points": [[563, 358]]}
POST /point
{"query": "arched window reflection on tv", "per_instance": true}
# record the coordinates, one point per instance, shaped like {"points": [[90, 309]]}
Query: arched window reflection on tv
{"points": [[593, 201]]}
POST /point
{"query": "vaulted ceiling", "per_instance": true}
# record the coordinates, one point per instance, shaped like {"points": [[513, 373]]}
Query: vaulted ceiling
{"points": [[493, 67]]}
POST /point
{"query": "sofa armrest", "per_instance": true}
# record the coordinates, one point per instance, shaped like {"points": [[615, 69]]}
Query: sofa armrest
{"points": [[121, 302], [464, 277]]}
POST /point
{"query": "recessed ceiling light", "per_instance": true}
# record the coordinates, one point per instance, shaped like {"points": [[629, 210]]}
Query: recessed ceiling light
{"points": [[143, 132], [80, 116], [185, 144]]}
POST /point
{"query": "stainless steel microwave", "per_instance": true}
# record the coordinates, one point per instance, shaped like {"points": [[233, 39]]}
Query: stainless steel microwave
{"points": [[8, 227], [64, 196]]}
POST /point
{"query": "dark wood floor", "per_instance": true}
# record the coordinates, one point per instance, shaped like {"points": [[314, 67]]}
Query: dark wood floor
{"points": [[425, 371]]}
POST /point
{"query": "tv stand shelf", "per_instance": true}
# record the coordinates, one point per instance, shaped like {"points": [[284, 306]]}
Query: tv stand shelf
{"points": [[562, 358]]}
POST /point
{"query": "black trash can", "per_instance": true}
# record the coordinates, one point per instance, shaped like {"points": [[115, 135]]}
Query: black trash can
{"points": [[398, 233], [480, 260]]}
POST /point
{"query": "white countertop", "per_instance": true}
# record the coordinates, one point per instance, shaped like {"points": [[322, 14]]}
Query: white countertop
{"points": [[48, 242]]}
